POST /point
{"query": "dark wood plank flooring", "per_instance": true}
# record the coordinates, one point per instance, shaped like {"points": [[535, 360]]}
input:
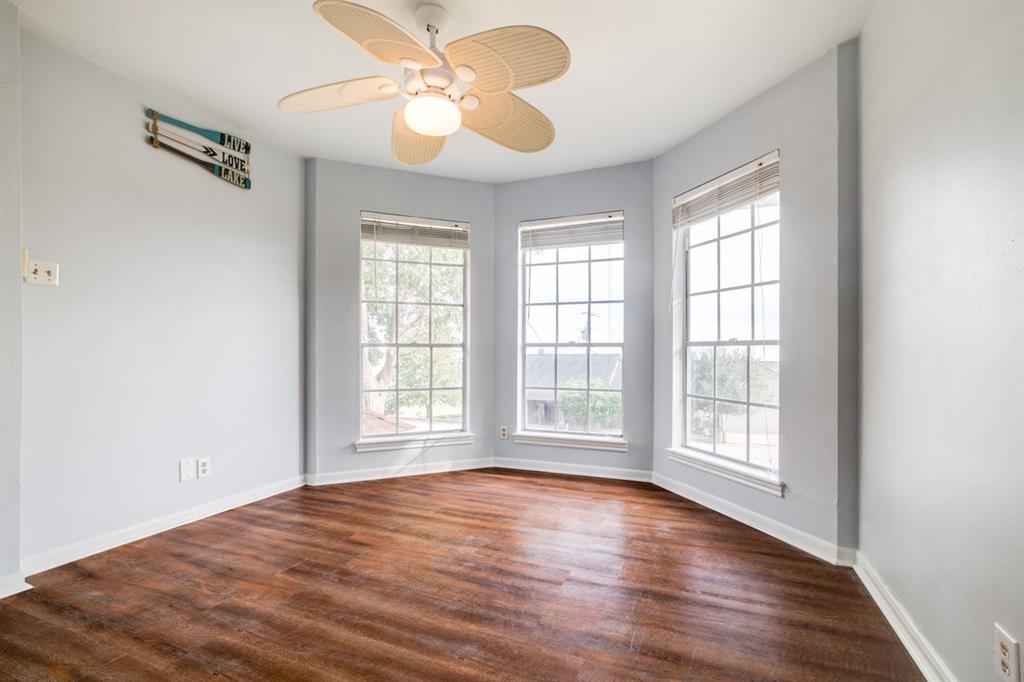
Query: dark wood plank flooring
{"points": [[475, 575]]}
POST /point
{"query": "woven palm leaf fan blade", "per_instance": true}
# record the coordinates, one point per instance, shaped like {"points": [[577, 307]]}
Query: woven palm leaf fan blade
{"points": [[339, 95], [511, 122], [510, 57], [410, 147]]}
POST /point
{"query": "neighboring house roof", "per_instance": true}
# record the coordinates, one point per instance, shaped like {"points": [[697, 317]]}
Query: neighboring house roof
{"points": [[602, 365]]}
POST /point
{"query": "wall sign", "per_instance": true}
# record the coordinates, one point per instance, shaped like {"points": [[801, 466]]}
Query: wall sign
{"points": [[224, 155]]}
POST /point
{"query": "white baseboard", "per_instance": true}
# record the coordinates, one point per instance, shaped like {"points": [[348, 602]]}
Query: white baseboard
{"points": [[12, 583], [411, 469], [572, 469], [920, 649], [846, 556], [79, 550], [840, 556]]}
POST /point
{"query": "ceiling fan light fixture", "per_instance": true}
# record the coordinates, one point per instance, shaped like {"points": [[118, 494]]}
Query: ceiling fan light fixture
{"points": [[475, 94], [432, 114]]}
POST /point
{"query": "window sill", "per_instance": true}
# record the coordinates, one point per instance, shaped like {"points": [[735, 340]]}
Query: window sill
{"points": [[413, 442], [611, 444], [743, 474]]}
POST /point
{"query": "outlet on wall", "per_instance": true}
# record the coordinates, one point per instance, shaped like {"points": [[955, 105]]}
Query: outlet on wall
{"points": [[187, 469], [35, 271], [1007, 656], [503, 432], [204, 466]]}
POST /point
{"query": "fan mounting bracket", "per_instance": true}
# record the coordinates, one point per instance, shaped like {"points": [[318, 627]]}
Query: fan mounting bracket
{"points": [[431, 18]]}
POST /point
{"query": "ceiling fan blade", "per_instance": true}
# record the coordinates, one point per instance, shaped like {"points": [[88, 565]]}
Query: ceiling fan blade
{"points": [[375, 33], [410, 147], [510, 57], [510, 121], [339, 95]]}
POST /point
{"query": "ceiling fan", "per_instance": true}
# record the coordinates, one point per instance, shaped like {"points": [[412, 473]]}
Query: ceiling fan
{"points": [[468, 84]]}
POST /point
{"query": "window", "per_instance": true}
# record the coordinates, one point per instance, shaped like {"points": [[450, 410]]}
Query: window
{"points": [[413, 325], [572, 325], [732, 315]]}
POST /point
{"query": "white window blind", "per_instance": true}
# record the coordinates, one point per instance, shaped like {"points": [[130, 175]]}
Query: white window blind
{"points": [[594, 229], [736, 188], [397, 229]]}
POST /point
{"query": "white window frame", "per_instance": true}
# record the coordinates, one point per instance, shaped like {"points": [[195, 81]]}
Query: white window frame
{"points": [[433, 437], [551, 437], [699, 456]]}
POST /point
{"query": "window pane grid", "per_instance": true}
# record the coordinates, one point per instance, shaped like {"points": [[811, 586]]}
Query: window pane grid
{"points": [[712, 344], [419, 401], [725, 417], [552, 303], [745, 230], [728, 400], [558, 396]]}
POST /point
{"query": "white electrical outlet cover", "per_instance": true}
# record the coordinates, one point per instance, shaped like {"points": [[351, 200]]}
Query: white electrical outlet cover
{"points": [[1007, 656], [42, 272], [204, 466], [187, 469]]}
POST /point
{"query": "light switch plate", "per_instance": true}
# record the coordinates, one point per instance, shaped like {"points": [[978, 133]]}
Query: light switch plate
{"points": [[187, 469]]}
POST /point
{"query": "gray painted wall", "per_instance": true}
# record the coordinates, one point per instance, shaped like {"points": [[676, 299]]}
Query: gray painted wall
{"points": [[942, 470], [10, 292], [176, 329], [341, 191], [626, 188], [798, 116]]}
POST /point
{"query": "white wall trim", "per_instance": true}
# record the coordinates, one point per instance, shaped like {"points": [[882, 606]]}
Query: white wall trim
{"points": [[422, 442], [79, 550], [12, 583], [827, 551], [410, 469], [44, 561], [920, 649], [571, 441], [846, 556], [733, 471], [573, 469]]}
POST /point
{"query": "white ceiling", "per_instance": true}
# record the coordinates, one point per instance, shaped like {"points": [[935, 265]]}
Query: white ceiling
{"points": [[644, 75]]}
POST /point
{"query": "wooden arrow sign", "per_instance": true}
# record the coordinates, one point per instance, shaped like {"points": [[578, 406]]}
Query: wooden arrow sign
{"points": [[226, 174], [214, 152]]}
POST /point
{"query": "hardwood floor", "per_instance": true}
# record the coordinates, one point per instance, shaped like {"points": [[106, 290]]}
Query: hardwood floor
{"points": [[476, 575]]}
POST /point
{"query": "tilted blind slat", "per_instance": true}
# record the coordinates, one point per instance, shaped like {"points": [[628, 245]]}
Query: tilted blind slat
{"points": [[572, 232], [410, 234], [738, 191]]}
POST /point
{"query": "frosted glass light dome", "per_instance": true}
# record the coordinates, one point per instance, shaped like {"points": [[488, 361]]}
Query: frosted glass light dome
{"points": [[432, 114]]}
